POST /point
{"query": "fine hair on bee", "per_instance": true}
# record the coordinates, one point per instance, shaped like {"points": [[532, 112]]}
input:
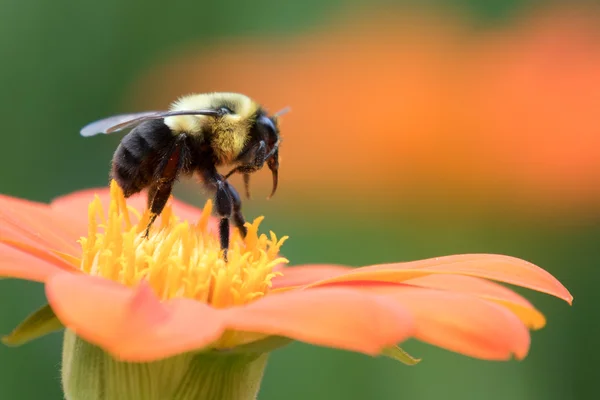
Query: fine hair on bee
{"points": [[199, 133]]}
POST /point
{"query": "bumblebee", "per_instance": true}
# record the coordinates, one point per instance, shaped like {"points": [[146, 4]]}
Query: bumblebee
{"points": [[199, 133]]}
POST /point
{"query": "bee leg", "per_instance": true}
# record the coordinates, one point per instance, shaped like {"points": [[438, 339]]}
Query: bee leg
{"points": [[238, 218], [224, 236], [228, 206], [160, 195], [259, 156], [247, 185], [165, 176], [224, 208], [254, 164]]}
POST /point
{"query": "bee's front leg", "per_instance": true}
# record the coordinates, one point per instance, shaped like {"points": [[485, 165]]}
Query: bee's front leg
{"points": [[252, 165], [248, 166]]}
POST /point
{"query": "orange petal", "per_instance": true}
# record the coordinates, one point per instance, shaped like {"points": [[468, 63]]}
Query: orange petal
{"points": [[133, 325], [490, 266], [462, 323], [34, 224], [333, 317], [77, 204], [487, 290], [306, 274], [15, 263]]}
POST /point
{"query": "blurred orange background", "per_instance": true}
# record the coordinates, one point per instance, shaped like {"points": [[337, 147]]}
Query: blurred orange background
{"points": [[408, 109]]}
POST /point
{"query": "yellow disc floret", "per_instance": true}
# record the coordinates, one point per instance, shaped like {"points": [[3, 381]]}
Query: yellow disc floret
{"points": [[179, 258]]}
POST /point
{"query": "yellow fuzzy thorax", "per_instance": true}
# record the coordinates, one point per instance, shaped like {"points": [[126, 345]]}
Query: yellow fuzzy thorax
{"points": [[229, 132], [179, 258]]}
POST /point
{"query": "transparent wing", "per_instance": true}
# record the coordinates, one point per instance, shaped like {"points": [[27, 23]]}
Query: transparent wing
{"points": [[127, 121], [117, 123]]}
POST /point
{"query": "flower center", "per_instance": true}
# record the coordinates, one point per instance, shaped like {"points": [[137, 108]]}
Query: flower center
{"points": [[178, 259]]}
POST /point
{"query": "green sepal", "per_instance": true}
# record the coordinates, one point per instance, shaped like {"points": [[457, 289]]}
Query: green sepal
{"points": [[398, 354], [38, 324], [90, 373]]}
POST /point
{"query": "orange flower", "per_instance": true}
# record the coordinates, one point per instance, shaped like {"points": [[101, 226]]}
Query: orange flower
{"points": [[142, 300]]}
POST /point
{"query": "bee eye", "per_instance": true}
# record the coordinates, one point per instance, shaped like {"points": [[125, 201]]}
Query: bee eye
{"points": [[225, 110], [267, 123]]}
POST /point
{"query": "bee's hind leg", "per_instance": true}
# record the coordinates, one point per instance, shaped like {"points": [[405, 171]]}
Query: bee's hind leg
{"points": [[164, 178], [158, 195]]}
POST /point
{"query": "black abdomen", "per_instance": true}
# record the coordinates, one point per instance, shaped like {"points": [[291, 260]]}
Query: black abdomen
{"points": [[139, 154]]}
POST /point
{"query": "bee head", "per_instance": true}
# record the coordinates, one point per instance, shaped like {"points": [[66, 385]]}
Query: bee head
{"points": [[270, 129]]}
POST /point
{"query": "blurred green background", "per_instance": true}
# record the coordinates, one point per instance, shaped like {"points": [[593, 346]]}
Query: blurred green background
{"points": [[66, 63]]}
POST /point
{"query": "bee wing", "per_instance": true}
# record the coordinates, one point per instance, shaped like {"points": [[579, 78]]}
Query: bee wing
{"points": [[127, 121], [117, 123]]}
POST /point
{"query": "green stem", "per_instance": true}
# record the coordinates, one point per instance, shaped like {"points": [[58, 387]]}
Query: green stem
{"points": [[89, 373]]}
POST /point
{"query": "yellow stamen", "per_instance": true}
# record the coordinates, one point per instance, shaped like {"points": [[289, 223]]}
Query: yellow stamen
{"points": [[178, 260]]}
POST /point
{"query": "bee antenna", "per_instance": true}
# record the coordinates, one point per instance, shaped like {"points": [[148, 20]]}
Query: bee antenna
{"points": [[283, 111]]}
